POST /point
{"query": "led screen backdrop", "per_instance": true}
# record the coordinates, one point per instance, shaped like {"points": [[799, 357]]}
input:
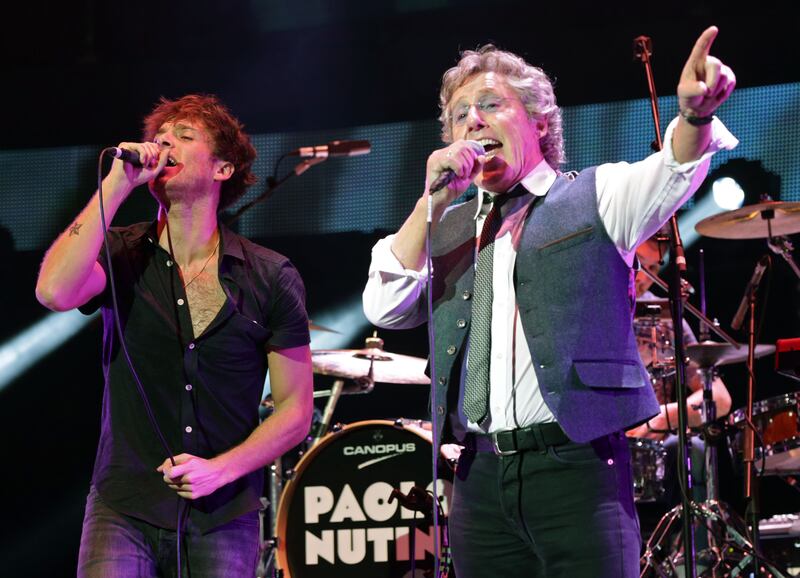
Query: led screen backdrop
{"points": [[42, 189]]}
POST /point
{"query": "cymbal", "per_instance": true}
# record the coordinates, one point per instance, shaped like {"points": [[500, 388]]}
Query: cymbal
{"points": [[648, 308], [315, 327], [710, 353], [355, 363], [753, 221]]}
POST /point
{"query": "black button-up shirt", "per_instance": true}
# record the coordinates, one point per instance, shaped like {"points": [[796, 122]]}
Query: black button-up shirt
{"points": [[204, 390]]}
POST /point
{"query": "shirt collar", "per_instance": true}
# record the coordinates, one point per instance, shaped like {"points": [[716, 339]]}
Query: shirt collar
{"points": [[230, 243], [537, 182]]}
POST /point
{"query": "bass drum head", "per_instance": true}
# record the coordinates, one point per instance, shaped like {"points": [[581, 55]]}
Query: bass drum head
{"points": [[337, 516]]}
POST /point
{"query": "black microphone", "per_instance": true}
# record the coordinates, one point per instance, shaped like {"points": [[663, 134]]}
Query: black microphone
{"points": [[125, 155], [337, 148], [447, 176], [758, 272]]}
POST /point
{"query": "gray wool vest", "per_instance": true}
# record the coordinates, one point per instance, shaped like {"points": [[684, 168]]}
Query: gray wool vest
{"points": [[572, 290]]}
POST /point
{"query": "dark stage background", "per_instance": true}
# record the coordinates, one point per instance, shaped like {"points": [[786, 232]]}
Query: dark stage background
{"points": [[82, 74]]}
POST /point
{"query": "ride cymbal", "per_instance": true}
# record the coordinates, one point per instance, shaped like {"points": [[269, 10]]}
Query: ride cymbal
{"points": [[753, 221]]}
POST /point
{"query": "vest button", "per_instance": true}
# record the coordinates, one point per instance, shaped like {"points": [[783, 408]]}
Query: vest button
{"points": [[442, 380], [466, 295], [440, 410], [451, 350], [461, 323]]}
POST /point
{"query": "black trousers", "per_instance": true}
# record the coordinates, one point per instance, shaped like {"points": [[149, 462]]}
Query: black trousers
{"points": [[563, 512]]}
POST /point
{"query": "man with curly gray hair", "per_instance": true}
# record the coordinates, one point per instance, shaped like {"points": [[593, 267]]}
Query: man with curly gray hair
{"points": [[535, 362]]}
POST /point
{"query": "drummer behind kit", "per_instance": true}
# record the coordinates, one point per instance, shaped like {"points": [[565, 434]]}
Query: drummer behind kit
{"points": [[770, 446]]}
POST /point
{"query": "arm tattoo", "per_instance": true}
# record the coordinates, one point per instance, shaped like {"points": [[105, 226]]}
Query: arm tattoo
{"points": [[75, 229]]}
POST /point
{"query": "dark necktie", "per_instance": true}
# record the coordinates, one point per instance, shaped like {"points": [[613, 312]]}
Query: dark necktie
{"points": [[476, 392]]}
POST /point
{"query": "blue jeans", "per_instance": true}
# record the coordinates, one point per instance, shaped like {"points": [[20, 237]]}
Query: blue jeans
{"points": [[566, 512], [114, 545]]}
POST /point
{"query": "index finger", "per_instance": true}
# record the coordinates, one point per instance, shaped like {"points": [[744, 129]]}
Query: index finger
{"points": [[703, 45]]}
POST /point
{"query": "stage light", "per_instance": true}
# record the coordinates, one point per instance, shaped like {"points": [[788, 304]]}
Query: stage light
{"points": [[727, 193], [34, 343]]}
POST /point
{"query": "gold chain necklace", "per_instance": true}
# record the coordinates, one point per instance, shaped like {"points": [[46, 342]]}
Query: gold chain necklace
{"points": [[214, 252]]}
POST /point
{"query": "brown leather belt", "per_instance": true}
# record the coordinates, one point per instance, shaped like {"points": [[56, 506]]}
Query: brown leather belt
{"points": [[511, 441]]}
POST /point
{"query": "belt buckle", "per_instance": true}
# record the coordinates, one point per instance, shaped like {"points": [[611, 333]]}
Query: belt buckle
{"points": [[497, 450]]}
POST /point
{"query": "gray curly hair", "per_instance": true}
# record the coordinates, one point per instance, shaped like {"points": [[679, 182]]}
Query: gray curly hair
{"points": [[532, 85]]}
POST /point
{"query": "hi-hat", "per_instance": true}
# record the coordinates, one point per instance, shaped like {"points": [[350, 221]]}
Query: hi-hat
{"points": [[710, 353], [355, 363], [753, 222]]}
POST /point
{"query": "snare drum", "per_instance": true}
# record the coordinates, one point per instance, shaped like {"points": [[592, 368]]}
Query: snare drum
{"points": [[777, 421], [647, 458], [337, 517]]}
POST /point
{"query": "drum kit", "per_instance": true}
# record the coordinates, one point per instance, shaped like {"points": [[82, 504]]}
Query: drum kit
{"points": [[358, 501], [765, 434]]}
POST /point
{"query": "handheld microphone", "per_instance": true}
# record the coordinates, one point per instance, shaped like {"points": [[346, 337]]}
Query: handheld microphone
{"points": [[125, 155], [337, 148], [447, 176]]}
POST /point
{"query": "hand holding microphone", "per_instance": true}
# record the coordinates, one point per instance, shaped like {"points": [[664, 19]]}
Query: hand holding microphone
{"points": [[455, 166], [141, 162]]}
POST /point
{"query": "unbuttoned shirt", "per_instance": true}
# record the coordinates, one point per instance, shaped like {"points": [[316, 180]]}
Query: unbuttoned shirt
{"points": [[633, 199], [204, 390]]}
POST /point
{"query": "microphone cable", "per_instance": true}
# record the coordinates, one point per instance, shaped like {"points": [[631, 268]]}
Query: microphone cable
{"points": [[434, 409], [183, 513]]}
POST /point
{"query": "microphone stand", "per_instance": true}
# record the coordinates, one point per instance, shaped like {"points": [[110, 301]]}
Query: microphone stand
{"points": [[273, 184], [643, 49]]}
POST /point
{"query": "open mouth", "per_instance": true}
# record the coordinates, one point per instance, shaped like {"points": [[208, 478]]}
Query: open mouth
{"points": [[490, 144], [171, 162]]}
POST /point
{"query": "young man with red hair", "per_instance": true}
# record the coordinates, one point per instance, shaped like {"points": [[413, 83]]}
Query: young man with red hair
{"points": [[203, 312]]}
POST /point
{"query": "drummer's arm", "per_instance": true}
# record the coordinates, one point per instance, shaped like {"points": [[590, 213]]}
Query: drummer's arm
{"points": [[667, 418]]}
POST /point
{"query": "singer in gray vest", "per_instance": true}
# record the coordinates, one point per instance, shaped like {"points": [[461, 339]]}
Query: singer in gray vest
{"points": [[535, 368]]}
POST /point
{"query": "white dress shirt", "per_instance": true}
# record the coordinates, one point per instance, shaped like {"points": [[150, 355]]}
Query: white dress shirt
{"points": [[634, 200]]}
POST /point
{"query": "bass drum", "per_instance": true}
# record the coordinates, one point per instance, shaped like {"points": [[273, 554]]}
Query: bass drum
{"points": [[338, 515]]}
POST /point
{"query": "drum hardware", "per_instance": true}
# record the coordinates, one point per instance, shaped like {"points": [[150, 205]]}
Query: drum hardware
{"points": [[787, 357], [728, 551], [729, 548], [363, 367]]}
